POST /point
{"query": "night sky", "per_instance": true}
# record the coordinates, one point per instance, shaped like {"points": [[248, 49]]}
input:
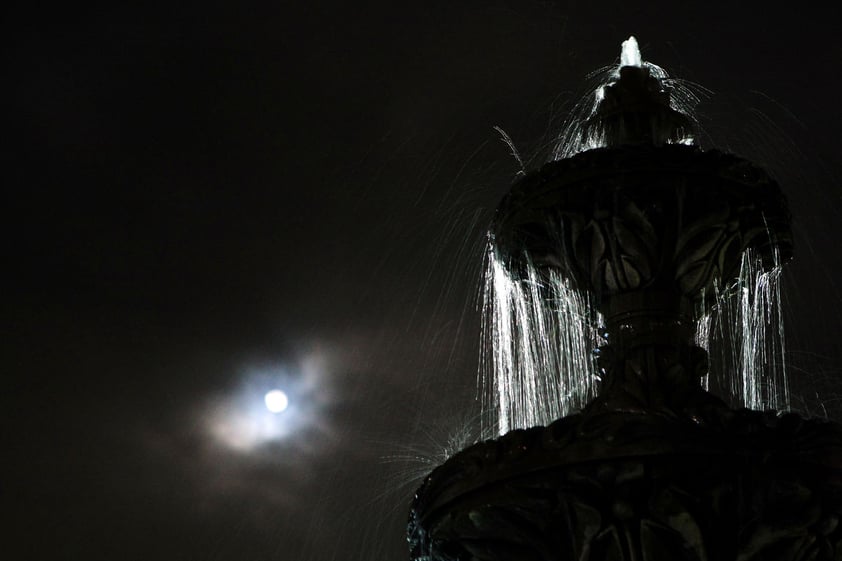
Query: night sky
{"points": [[205, 201]]}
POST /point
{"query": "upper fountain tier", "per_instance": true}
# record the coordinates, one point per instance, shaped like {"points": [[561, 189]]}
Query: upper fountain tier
{"points": [[645, 220], [636, 108]]}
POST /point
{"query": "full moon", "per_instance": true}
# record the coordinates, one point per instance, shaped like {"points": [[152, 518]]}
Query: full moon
{"points": [[276, 401]]}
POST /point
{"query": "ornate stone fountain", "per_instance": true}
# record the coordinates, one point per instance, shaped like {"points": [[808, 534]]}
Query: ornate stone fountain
{"points": [[655, 467]]}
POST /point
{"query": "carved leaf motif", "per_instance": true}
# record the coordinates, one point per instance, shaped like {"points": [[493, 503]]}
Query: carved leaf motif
{"points": [[617, 248], [698, 224], [605, 546], [673, 508], [609, 278], [630, 257], [632, 245], [584, 522], [591, 245], [511, 531], [659, 542], [699, 248]]}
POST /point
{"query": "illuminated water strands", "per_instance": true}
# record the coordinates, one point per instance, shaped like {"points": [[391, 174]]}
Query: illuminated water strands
{"points": [[744, 334], [540, 333], [574, 138]]}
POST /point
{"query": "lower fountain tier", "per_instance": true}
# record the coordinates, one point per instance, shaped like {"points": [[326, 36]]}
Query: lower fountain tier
{"points": [[639, 486]]}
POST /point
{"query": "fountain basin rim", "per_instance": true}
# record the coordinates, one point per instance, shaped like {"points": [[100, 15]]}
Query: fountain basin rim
{"points": [[743, 435]]}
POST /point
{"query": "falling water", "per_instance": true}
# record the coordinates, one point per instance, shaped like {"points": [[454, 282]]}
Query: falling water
{"points": [[540, 336], [539, 333], [743, 332]]}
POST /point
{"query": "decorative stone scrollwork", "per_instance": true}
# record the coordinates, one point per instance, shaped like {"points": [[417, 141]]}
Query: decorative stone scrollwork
{"points": [[733, 485], [669, 217]]}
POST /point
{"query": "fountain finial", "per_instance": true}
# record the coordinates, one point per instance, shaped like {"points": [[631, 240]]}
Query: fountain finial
{"points": [[635, 107]]}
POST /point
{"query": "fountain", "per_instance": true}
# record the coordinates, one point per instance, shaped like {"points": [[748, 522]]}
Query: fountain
{"points": [[630, 244]]}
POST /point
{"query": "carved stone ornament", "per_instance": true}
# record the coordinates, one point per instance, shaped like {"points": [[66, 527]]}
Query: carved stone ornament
{"points": [[621, 486], [671, 218]]}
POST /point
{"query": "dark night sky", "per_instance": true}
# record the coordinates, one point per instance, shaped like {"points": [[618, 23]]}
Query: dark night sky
{"points": [[208, 200]]}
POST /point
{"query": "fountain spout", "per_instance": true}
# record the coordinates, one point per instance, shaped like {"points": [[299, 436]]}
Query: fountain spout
{"points": [[635, 108]]}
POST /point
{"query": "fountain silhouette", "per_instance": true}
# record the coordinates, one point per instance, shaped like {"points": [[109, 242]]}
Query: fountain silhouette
{"points": [[632, 242]]}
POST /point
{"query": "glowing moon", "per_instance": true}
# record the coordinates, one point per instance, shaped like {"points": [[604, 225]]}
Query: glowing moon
{"points": [[276, 401]]}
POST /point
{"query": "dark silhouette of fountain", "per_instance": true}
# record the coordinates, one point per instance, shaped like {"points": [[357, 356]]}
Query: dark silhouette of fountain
{"points": [[655, 466]]}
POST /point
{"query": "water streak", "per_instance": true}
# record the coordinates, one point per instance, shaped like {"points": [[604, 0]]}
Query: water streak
{"points": [[539, 338], [744, 334]]}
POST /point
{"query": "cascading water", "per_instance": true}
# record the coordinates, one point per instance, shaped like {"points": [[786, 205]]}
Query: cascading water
{"points": [[533, 327], [540, 332], [744, 333]]}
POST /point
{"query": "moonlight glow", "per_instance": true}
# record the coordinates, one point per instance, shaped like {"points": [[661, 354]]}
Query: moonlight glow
{"points": [[276, 401]]}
